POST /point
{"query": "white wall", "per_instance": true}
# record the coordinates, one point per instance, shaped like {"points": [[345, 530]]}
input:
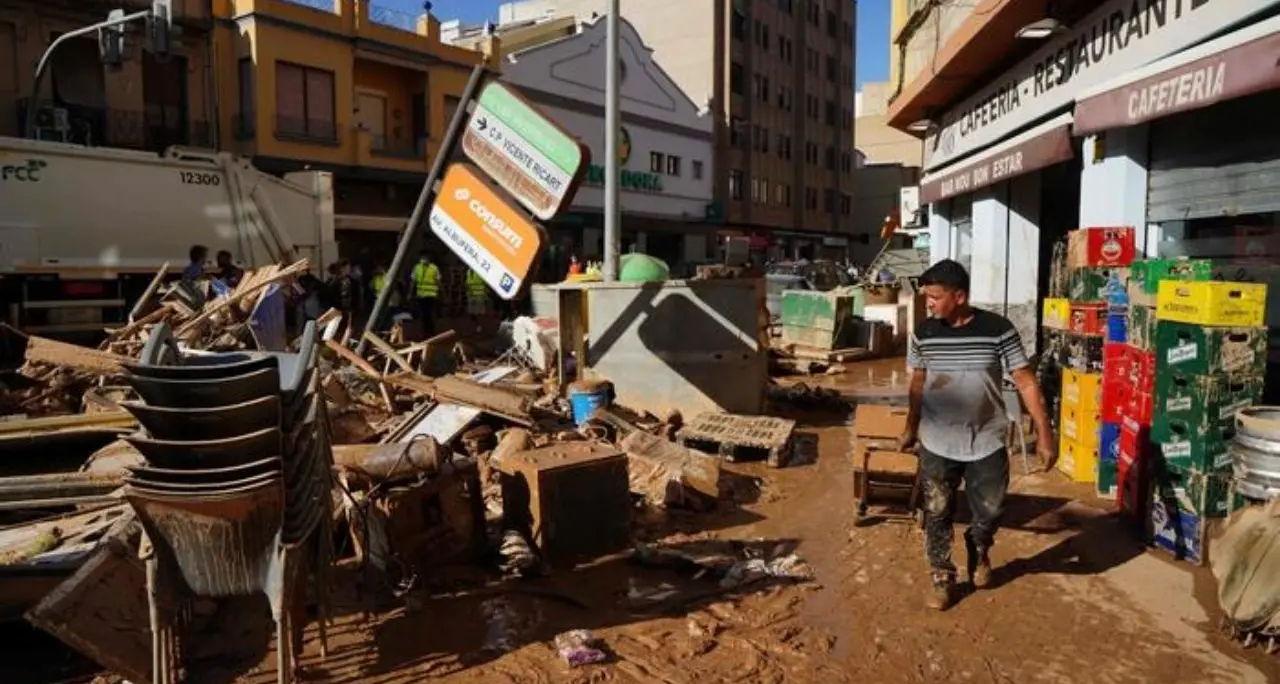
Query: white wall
{"points": [[680, 196], [1113, 182]]}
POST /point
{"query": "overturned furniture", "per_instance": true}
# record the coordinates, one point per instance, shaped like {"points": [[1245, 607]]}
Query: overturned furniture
{"points": [[883, 476], [235, 498]]}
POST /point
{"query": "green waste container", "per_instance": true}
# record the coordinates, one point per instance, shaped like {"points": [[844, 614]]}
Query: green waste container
{"points": [[823, 320]]}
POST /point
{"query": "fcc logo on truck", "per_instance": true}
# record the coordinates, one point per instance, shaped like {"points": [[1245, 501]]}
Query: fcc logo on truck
{"points": [[26, 171]]}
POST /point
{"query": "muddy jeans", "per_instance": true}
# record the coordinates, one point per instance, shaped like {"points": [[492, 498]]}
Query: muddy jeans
{"points": [[985, 483]]}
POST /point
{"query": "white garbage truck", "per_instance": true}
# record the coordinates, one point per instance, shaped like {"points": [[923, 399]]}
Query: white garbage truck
{"points": [[83, 230]]}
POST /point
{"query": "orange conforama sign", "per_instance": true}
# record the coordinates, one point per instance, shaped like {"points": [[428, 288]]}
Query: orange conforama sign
{"points": [[491, 236]]}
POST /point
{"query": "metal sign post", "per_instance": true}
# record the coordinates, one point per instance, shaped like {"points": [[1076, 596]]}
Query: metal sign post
{"points": [[424, 203], [612, 127]]}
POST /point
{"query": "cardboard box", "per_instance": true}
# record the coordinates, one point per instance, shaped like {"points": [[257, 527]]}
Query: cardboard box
{"points": [[1205, 404], [1078, 462], [1141, 326], [1090, 319], [1213, 303], [1186, 348], [1056, 313], [1091, 285], [1101, 246]]}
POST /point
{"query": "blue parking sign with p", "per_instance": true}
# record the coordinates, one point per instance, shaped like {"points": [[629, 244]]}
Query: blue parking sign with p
{"points": [[506, 282]]}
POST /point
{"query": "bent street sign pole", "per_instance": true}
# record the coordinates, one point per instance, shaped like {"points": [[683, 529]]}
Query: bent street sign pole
{"points": [[528, 155], [492, 237]]}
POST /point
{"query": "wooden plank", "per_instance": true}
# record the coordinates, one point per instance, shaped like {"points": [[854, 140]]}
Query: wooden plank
{"points": [[63, 355], [240, 294], [354, 359], [110, 419], [388, 351]]}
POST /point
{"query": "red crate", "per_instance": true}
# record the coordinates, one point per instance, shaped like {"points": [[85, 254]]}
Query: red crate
{"points": [[1116, 395], [1131, 473], [1145, 362], [1116, 359], [1089, 319], [1101, 246], [1138, 407]]}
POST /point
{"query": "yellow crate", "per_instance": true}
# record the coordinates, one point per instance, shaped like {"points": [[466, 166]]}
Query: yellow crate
{"points": [[1057, 313], [1077, 461], [1080, 425], [1212, 303], [1081, 390]]}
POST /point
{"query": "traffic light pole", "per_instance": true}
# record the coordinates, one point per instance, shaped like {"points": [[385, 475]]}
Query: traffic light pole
{"points": [[33, 105]]}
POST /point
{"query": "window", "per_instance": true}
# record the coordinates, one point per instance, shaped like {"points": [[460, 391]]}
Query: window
{"points": [[245, 124], [697, 170], [811, 153], [785, 6], [814, 13], [673, 165], [738, 132], [735, 184], [764, 139], [304, 102], [833, 25], [764, 90], [846, 204], [786, 195], [848, 32], [831, 113], [846, 163], [737, 79], [738, 27], [829, 200], [833, 68], [811, 198], [784, 146], [656, 162], [811, 60], [764, 37], [785, 49], [755, 190], [829, 158]]}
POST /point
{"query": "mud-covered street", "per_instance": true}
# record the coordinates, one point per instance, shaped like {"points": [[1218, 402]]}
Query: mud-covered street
{"points": [[1076, 600]]}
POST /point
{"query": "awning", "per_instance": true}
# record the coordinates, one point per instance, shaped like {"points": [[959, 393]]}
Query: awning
{"points": [[1235, 65], [1044, 145]]}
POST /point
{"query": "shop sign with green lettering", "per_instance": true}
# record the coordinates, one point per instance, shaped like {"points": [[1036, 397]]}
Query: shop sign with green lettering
{"points": [[629, 180]]}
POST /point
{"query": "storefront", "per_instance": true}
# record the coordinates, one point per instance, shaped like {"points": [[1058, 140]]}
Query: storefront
{"points": [[1002, 180], [665, 151], [1188, 149]]}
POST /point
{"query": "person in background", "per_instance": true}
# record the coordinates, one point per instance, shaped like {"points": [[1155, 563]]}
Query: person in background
{"points": [[959, 358], [425, 285], [228, 273], [575, 267], [477, 297], [342, 290], [195, 268]]}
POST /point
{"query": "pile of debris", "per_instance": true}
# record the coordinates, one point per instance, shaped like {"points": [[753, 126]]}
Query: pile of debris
{"points": [[438, 459]]}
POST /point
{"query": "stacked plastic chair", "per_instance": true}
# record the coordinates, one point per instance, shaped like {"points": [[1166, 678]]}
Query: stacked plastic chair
{"points": [[235, 494]]}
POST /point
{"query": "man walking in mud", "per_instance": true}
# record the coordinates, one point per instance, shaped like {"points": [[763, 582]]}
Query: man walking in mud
{"points": [[957, 421]]}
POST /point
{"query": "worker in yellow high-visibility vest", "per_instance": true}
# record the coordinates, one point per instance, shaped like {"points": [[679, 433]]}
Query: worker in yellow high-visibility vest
{"points": [[425, 283], [477, 297]]}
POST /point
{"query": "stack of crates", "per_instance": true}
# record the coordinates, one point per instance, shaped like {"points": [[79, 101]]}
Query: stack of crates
{"points": [[1210, 362], [1097, 260]]}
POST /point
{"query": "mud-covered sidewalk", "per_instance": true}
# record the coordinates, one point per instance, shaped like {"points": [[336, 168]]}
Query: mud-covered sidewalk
{"points": [[1076, 600]]}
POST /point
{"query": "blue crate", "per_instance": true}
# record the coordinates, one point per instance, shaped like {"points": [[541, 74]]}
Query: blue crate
{"points": [[1109, 442], [1117, 328]]}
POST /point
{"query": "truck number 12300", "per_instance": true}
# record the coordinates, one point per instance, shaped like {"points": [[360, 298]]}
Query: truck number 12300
{"points": [[195, 178]]}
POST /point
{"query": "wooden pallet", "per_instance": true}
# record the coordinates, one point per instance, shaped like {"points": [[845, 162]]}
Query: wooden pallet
{"points": [[735, 437]]}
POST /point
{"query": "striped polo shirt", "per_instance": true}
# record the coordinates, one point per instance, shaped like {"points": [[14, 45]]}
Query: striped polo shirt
{"points": [[962, 415]]}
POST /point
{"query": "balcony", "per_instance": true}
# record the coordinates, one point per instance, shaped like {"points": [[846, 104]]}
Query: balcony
{"points": [[102, 127], [377, 151], [387, 16], [302, 130]]}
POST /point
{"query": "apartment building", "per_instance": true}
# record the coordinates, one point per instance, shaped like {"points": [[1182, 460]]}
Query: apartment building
{"points": [[143, 103], [346, 86], [777, 76], [1042, 117]]}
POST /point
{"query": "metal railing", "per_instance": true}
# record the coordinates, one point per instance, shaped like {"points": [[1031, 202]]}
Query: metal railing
{"points": [[317, 130], [153, 130], [393, 18]]}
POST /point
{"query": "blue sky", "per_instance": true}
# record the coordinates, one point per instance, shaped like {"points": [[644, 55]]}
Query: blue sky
{"points": [[872, 43]]}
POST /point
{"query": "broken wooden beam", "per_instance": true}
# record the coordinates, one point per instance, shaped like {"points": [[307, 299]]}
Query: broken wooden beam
{"points": [[72, 356], [511, 405], [389, 461]]}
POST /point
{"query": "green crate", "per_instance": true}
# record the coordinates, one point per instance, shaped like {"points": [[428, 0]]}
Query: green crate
{"points": [[1148, 273], [1204, 493], [1090, 284], [1189, 348], [823, 320], [1205, 404], [1190, 450], [1107, 482], [1141, 329]]}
